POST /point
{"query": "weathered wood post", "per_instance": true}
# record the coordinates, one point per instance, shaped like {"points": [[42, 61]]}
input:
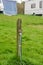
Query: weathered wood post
{"points": [[19, 40]]}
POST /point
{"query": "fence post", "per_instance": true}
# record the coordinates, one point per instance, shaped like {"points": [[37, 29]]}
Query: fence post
{"points": [[19, 40]]}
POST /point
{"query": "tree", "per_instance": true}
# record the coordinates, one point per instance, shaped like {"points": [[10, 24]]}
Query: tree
{"points": [[20, 8]]}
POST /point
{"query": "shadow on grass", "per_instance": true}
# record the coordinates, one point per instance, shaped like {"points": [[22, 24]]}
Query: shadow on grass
{"points": [[6, 51], [26, 38], [15, 61]]}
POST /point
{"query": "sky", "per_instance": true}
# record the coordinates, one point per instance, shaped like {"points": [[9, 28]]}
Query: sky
{"points": [[20, 1]]}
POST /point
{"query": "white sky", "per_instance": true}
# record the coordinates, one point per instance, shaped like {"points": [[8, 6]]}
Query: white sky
{"points": [[20, 1]]}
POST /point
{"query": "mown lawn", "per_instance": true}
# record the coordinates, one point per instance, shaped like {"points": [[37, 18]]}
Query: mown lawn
{"points": [[32, 39]]}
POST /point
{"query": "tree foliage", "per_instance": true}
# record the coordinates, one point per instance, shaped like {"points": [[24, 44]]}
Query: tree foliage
{"points": [[20, 8]]}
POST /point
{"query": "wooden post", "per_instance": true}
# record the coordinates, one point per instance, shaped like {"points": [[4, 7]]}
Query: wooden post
{"points": [[19, 40]]}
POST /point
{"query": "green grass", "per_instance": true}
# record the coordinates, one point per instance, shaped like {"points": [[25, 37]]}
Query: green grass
{"points": [[32, 39]]}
